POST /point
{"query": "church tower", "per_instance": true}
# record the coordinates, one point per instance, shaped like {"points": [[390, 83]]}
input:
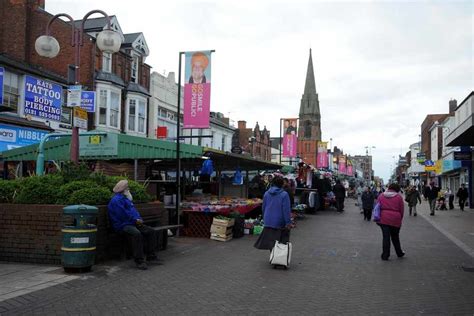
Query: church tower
{"points": [[309, 118]]}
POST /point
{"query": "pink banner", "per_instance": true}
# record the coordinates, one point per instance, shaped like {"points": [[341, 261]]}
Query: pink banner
{"points": [[349, 171], [197, 90], [342, 165], [289, 146], [322, 157], [197, 105]]}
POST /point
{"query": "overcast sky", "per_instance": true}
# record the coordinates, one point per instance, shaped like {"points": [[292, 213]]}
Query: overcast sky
{"points": [[380, 67]]}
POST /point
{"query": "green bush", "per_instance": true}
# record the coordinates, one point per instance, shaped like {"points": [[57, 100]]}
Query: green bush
{"points": [[8, 190], [90, 196], [66, 190], [39, 189], [74, 172], [138, 192]]}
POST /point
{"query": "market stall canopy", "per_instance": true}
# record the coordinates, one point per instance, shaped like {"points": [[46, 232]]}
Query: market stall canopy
{"points": [[228, 161], [105, 147]]}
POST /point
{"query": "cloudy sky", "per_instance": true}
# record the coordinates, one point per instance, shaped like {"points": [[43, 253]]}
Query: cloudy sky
{"points": [[380, 66]]}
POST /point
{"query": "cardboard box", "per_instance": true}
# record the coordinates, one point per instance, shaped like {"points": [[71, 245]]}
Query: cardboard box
{"points": [[221, 230], [219, 238], [223, 222]]}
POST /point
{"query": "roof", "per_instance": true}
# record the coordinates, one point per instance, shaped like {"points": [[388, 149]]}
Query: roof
{"points": [[94, 23], [310, 83], [135, 87], [112, 147], [19, 121], [31, 69], [130, 38], [109, 77]]}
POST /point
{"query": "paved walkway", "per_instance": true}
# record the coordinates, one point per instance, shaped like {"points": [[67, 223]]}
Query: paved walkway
{"points": [[336, 270]]}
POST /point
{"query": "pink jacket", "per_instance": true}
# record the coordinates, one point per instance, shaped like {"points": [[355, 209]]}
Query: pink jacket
{"points": [[391, 208]]}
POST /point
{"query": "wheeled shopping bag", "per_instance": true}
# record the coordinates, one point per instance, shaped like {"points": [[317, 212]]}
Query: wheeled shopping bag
{"points": [[281, 255]]}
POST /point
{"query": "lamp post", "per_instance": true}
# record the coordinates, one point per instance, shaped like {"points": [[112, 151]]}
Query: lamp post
{"points": [[46, 45]]}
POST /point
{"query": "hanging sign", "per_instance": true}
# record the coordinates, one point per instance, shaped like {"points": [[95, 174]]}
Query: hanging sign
{"points": [[74, 96], [290, 139], [80, 117], [342, 164], [197, 90], [322, 155], [88, 101], [43, 99]]}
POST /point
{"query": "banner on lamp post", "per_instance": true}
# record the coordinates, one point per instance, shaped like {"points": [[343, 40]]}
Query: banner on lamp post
{"points": [[290, 138], [197, 89], [322, 155], [350, 171], [342, 164]]}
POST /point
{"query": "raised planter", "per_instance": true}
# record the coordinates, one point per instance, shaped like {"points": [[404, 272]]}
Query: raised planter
{"points": [[32, 232]]}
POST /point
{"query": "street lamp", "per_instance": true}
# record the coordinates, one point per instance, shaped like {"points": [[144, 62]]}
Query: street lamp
{"points": [[368, 148], [46, 45]]}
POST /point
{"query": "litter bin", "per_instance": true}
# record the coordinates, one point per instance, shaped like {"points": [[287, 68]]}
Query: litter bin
{"points": [[79, 239]]}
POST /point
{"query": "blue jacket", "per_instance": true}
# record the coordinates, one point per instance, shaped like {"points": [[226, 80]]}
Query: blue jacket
{"points": [[122, 212], [276, 208]]}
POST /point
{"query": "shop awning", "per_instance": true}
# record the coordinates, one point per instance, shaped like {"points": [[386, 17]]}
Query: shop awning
{"points": [[110, 146], [228, 161]]}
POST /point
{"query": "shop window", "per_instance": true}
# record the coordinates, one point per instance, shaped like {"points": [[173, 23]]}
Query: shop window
{"points": [[11, 93]]}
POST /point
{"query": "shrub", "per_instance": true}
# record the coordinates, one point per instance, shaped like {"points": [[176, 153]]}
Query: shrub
{"points": [[90, 196], [74, 172], [139, 192], [8, 190], [66, 190], [39, 189]]}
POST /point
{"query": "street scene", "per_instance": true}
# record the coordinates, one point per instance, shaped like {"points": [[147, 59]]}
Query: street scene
{"points": [[224, 157]]}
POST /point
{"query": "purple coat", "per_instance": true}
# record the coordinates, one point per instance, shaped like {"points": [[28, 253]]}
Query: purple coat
{"points": [[391, 208]]}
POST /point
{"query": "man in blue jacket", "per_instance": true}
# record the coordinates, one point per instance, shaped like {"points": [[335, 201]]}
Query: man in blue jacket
{"points": [[125, 218]]}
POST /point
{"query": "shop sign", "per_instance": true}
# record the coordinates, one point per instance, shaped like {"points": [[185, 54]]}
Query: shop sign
{"points": [[439, 167], [420, 157], [13, 137], [43, 99], [74, 96], [2, 72], [197, 90], [462, 155], [88, 101], [80, 117], [161, 132], [449, 165], [98, 145]]}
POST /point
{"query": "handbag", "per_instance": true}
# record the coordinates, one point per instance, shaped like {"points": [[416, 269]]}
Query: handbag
{"points": [[376, 212], [281, 254]]}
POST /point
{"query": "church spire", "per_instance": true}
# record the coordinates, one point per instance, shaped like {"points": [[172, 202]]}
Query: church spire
{"points": [[310, 84]]}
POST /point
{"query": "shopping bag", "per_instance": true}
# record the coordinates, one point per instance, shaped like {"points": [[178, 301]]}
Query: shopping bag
{"points": [[281, 254], [376, 212]]}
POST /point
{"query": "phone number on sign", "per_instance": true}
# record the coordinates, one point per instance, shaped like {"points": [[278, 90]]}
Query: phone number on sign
{"points": [[49, 116]]}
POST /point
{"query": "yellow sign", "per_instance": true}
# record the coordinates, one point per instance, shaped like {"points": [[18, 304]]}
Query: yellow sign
{"points": [[94, 140], [439, 167], [80, 113], [430, 168]]}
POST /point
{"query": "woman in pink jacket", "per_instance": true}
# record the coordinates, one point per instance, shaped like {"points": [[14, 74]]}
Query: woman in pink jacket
{"points": [[391, 216]]}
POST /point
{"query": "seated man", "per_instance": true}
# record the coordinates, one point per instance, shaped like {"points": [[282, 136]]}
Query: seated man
{"points": [[125, 218]]}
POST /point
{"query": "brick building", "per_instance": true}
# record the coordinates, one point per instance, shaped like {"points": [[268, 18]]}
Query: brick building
{"points": [[256, 142], [121, 81]]}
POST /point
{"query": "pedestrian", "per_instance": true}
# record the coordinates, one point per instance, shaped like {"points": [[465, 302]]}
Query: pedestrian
{"points": [[391, 216], [359, 191], [340, 193], [462, 196], [432, 194], [412, 198], [125, 218], [368, 198], [276, 216], [287, 188], [450, 197]]}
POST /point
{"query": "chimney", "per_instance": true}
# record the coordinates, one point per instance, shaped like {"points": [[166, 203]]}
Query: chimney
{"points": [[242, 124], [453, 104]]}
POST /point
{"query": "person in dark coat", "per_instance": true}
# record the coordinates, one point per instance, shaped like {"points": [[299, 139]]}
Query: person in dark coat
{"points": [[276, 216], [431, 192], [462, 196], [340, 193], [287, 188], [412, 197], [367, 203]]}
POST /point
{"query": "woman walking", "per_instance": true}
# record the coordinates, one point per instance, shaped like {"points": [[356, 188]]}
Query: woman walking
{"points": [[391, 216], [276, 216], [368, 203], [412, 198]]}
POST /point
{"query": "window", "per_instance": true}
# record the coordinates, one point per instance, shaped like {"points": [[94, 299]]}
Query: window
{"points": [[132, 105], [141, 116], [11, 94], [223, 142], [134, 75], [109, 102], [106, 62], [137, 115]]}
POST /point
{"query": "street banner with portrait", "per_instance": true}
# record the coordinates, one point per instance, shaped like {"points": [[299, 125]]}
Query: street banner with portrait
{"points": [[322, 155], [197, 89], [350, 171], [290, 139], [342, 164]]}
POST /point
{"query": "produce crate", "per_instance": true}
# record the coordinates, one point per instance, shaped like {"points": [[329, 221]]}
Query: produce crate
{"points": [[221, 230], [224, 222], [219, 237]]}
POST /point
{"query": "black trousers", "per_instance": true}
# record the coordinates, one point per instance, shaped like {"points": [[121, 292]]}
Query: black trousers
{"points": [[461, 203], [390, 232], [340, 204], [143, 241], [367, 213], [451, 202]]}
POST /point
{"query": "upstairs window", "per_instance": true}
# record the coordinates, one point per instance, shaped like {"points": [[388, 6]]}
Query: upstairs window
{"points": [[134, 75], [137, 115], [132, 113], [109, 107], [11, 92], [106, 62], [141, 116]]}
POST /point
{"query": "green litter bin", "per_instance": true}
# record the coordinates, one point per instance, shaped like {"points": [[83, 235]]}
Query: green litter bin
{"points": [[79, 238]]}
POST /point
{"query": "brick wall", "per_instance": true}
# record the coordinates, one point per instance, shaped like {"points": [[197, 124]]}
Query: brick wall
{"points": [[32, 233]]}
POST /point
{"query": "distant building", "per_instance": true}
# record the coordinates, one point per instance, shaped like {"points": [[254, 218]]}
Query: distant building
{"points": [[256, 142], [309, 132], [363, 163]]}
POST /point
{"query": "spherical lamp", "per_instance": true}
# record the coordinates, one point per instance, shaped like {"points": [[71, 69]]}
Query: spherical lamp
{"points": [[109, 41], [47, 46]]}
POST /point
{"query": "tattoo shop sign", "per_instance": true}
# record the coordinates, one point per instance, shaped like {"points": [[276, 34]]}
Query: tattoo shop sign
{"points": [[43, 99]]}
